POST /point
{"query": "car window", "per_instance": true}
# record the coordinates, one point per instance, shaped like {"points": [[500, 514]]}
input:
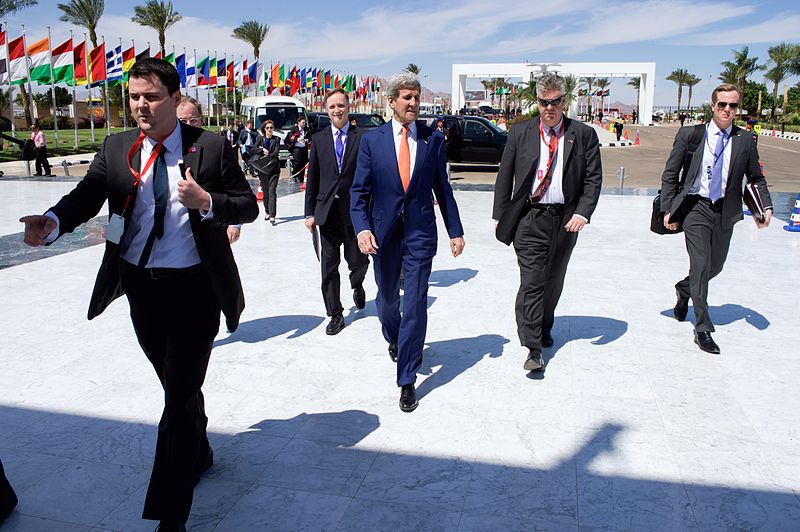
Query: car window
{"points": [[284, 117], [365, 120], [474, 128]]}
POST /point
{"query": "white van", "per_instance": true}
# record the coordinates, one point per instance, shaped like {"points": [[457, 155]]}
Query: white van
{"points": [[430, 108], [282, 110]]}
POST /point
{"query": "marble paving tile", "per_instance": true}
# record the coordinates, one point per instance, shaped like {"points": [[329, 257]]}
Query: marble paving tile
{"points": [[269, 508], [731, 508], [18, 522], [132, 444], [25, 469], [62, 435], [524, 522], [245, 456], [390, 517]]}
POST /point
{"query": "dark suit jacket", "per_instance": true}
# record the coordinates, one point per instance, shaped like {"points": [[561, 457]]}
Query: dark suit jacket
{"points": [[324, 181], [378, 201], [581, 181], [268, 163], [744, 162], [214, 167], [293, 134]]}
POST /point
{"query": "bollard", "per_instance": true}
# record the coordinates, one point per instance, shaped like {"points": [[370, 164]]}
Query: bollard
{"points": [[65, 166], [621, 178], [28, 167], [794, 219], [448, 172]]}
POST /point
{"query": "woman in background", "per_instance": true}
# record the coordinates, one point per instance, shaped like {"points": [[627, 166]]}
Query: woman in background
{"points": [[268, 167]]}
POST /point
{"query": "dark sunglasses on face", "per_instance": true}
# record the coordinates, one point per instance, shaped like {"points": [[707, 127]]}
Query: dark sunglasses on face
{"points": [[555, 102], [723, 105]]}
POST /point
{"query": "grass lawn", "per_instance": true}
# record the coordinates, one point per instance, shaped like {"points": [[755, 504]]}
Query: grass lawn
{"points": [[66, 142]]}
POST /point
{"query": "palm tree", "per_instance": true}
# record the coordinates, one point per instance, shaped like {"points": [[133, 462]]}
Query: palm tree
{"points": [[691, 81], [11, 6], [526, 94], [679, 76], [412, 68], [602, 83], [159, 16], [5, 100], [782, 57], [589, 82], [636, 83], [84, 13], [741, 66], [253, 33], [570, 90]]}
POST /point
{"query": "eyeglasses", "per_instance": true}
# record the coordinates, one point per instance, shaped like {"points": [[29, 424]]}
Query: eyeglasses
{"points": [[723, 105], [555, 102], [191, 120], [269, 127]]}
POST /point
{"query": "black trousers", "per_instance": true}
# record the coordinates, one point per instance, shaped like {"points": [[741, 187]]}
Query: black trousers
{"points": [[543, 250], [707, 242], [176, 317], [8, 499], [41, 161], [335, 234], [300, 158], [269, 186]]}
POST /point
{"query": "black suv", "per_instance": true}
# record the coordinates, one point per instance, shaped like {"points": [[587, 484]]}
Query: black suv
{"points": [[471, 139], [318, 120]]}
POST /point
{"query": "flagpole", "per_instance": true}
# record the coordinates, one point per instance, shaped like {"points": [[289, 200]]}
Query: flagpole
{"points": [[216, 89], [122, 85], [105, 82], [10, 90], [184, 73], [53, 85], [226, 87], [74, 95], [28, 73], [196, 75], [208, 94], [234, 90], [89, 86]]}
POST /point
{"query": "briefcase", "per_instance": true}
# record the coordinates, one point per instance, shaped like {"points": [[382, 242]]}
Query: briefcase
{"points": [[752, 198], [657, 220]]}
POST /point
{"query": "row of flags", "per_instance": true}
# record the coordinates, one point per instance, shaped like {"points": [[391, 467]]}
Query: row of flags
{"points": [[71, 64], [597, 92]]}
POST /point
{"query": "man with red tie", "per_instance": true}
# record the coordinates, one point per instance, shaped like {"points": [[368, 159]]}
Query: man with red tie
{"points": [[547, 188], [401, 166]]}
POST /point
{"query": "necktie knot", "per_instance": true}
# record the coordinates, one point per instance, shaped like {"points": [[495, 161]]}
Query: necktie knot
{"points": [[552, 132]]}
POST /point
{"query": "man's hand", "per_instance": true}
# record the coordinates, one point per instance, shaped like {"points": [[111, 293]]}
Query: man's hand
{"points": [[191, 195], [311, 223], [233, 234], [37, 227], [671, 226], [767, 218], [457, 245], [367, 243], [575, 224]]}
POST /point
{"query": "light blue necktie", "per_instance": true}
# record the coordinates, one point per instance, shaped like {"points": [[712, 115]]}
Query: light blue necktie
{"points": [[339, 149], [715, 185]]}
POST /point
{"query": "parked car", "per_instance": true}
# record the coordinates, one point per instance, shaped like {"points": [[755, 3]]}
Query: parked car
{"points": [[320, 120], [471, 139]]}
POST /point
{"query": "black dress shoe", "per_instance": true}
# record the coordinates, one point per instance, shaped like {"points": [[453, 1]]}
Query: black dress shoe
{"points": [[359, 297], [705, 342], [393, 352], [534, 362], [171, 526], [408, 398], [681, 307], [335, 326], [547, 339]]}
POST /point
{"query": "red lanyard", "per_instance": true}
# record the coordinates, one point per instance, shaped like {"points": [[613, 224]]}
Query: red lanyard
{"points": [[138, 175]]}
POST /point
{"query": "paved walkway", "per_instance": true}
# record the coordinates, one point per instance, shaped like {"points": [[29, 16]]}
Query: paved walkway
{"points": [[631, 427]]}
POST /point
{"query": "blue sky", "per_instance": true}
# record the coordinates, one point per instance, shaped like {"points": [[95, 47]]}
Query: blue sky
{"points": [[383, 37]]}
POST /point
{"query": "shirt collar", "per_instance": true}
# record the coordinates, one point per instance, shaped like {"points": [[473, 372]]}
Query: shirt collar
{"points": [[713, 129], [397, 128], [344, 130], [173, 143], [557, 127]]}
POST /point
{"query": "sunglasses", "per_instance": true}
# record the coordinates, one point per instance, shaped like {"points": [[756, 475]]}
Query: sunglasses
{"points": [[268, 127], [555, 102], [723, 105]]}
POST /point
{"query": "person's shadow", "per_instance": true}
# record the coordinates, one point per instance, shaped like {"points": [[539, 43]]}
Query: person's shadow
{"points": [[280, 220], [447, 278], [455, 357], [567, 328], [254, 331], [727, 314]]}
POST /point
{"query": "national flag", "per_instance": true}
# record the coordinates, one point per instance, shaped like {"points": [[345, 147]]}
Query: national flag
{"points": [[303, 80], [170, 58], [327, 79], [180, 66], [191, 72], [39, 55], [128, 59], [252, 73], [3, 58], [212, 71], [239, 72], [62, 63], [231, 75], [222, 72], [261, 77], [158, 55], [203, 68], [97, 64], [143, 54], [310, 80], [114, 64], [16, 57], [79, 60]]}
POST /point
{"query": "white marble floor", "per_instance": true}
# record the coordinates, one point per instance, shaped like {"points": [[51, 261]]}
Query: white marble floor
{"points": [[631, 427]]}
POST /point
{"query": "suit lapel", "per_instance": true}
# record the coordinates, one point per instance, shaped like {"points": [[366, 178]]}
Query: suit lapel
{"points": [[191, 151], [569, 140], [423, 138], [349, 147], [388, 145], [531, 146], [736, 143]]}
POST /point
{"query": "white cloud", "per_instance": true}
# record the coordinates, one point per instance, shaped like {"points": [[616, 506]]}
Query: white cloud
{"points": [[783, 27]]}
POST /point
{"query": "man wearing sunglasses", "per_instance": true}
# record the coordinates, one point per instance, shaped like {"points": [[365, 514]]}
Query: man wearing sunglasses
{"points": [[547, 188], [705, 200]]}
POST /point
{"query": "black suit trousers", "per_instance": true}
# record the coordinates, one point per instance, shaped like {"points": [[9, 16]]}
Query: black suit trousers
{"points": [[335, 234], [707, 242], [543, 250], [8, 499], [176, 319], [269, 186]]}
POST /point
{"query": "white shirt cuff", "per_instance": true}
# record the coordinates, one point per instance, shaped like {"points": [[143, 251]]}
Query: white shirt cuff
{"points": [[209, 214], [584, 218], [49, 239]]}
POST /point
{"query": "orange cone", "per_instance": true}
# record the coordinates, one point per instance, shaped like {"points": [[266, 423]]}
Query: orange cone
{"points": [[626, 135], [636, 142], [260, 194]]}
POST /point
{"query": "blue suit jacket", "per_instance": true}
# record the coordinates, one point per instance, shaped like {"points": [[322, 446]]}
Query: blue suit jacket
{"points": [[377, 199]]}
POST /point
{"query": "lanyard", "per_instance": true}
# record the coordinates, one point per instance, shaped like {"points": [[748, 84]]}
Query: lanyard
{"points": [[138, 175], [558, 133], [724, 145]]}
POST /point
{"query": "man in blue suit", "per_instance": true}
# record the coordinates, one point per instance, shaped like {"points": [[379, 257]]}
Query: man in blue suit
{"points": [[401, 165]]}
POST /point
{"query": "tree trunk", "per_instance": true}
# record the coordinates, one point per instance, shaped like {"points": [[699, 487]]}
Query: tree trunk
{"points": [[775, 101], [689, 103], [162, 43], [26, 104]]}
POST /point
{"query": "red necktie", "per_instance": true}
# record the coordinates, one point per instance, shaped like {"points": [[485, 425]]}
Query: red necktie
{"points": [[552, 147], [404, 160]]}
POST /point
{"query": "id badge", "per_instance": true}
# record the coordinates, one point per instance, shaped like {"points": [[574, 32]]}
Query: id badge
{"points": [[116, 224]]}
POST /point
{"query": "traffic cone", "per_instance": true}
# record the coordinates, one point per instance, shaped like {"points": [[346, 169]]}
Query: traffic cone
{"points": [[626, 134], [794, 220], [636, 141], [260, 194], [773, 134]]}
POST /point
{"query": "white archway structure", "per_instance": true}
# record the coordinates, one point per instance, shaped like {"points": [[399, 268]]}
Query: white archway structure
{"points": [[527, 71]]}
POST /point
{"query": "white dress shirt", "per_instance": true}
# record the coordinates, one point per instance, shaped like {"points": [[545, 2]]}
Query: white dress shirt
{"points": [[397, 129], [345, 130], [701, 181], [555, 192], [176, 249]]}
